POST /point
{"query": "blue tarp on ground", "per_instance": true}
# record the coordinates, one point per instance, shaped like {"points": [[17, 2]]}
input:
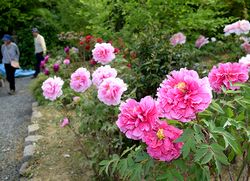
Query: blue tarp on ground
{"points": [[19, 72]]}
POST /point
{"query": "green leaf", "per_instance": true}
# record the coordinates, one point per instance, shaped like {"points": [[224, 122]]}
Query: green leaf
{"points": [[205, 173], [207, 157], [218, 166], [216, 107], [200, 153], [229, 139]]}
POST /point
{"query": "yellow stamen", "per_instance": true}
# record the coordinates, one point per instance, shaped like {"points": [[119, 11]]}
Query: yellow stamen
{"points": [[160, 134], [181, 86]]}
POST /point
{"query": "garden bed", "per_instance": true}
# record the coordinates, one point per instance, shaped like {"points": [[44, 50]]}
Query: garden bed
{"points": [[57, 156]]}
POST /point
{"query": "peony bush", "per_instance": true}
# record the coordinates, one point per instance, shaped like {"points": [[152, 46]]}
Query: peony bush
{"points": [[191, 125]]}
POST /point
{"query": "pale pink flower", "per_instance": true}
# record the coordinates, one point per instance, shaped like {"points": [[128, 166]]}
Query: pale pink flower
{"points": [[178, 38], [66, 62], [76, 99], [246, 47], [201, 41], [103, 53], [52, 88], [136, 118], [227, 74], [80, 80], [64, 122], [102, 73], [239, 27], [160, 142], [245, 60], [183, 94], [111, 90]]}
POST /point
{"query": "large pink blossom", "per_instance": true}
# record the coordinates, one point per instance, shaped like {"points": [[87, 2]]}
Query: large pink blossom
{"points": [[201, 41], [227, 74], [183, 94], [178, 38], [102, 73], [80, 80], [239, 27], [160, 142], [103, 53], [52, 88], [245, 60], [136, 118], [111, 90]]}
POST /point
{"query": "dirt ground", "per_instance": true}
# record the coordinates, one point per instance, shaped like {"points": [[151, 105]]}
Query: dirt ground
{"points": [[58, 156]]}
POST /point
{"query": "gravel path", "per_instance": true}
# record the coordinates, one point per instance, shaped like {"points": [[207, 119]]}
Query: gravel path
{"points": [[15, 112]]}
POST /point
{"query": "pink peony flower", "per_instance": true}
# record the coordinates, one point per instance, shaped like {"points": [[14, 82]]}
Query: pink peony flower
{"points": [[52, 88], [245, 60], [80, 80], [226, 75], [66, 62], [246, 47], [183, 94], [178, 38], [160, 142], [136, 118], [201, 41], [102, 73], [103, 53], [239, 27], [64, 122], [111, 90], [56, 67]]}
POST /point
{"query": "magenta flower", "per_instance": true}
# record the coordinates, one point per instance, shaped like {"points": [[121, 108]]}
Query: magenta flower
{"points": [[46, 71], [46, 58], [42, 64], [102, 73], [66, 62], [160, 142], [239, 27], [178, 38], [64, 122], [111, 90], [52, 88], [80, 80], [136, 118], [201, 41], [103, 53], [226, 75], [183, 94], [66, 49], [56, 67], [245, 60]]}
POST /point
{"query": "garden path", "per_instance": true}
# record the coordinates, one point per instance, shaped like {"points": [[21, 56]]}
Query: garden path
{"points": [[15, 113]]}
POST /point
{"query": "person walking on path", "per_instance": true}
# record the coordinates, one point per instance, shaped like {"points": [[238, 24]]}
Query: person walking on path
{"points": [[40, 49], [10, 52]]}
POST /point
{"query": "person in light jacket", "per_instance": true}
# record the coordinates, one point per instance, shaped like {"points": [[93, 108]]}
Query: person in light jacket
{"points": [[10, 52], [40, 49]]}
